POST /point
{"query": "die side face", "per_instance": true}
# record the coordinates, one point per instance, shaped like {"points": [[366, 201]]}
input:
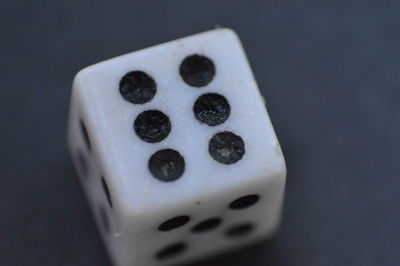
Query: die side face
{"points": [[88, 167], [192, 153], [215, 225]]}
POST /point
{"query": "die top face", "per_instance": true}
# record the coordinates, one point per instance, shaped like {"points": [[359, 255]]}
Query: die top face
{"points": [[179, 119]]}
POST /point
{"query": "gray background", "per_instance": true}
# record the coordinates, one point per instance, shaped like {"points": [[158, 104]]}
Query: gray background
{"points": [[329, 71]]}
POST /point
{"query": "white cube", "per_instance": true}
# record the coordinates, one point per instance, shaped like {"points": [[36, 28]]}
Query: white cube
{"points": [[176, 151]]}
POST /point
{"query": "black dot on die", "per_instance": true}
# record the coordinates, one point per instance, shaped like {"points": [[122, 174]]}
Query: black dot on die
{"points": [[152, 126], [137, 87], [212, 109], [240, 230], [85, 134], [226, 147], [82, 164], [244, 202], [174, 223], [207, 225], [104, 222], [167, 165], [197, 70], [106, 190], [171, 251]]}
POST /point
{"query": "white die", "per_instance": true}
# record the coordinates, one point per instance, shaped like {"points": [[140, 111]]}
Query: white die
{"points": [[219, 182]]}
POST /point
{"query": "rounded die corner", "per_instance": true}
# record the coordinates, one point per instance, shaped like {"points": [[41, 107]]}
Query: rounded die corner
{"points": [[230, 32]]}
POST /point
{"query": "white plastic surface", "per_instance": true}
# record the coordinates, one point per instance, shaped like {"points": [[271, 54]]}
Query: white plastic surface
{"points": [[141, 202]]}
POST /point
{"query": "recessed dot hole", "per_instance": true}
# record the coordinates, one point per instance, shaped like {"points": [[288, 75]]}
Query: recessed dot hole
{"points": [[207, 225], [152, 126], [167, 165], [174, 223], [85, 134], [137, 87], [197, 70], [212, 109], [240, 230], [244, 202], [106, 190], [82, 164], [226, 147], [171, 251]]}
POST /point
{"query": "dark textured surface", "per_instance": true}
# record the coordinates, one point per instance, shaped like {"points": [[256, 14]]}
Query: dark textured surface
{"points": [[173, 250], [197, 70], [212, 109], [137, 87], [226, 147], [167, 165], [207, 225], [244, 202], [330, 74], [174, 223], [152, 126]]}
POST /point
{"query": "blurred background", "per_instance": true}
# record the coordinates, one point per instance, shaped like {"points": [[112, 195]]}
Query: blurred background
{"points": [[330, 73]]}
